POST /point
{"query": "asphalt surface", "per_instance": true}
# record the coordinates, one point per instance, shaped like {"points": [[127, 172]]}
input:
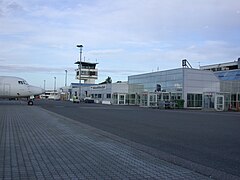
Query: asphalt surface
{"points": [[210, 139], [39, 144]]}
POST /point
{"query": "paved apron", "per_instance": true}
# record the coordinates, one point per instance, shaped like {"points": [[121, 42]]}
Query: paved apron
{"points": [[37, 144]]}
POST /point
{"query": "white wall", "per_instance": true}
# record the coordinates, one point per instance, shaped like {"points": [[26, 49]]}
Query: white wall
{"points": [[105, 89], [198, 81], [120, 88]]}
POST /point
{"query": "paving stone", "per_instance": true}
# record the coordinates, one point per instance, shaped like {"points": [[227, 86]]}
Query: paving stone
{"points": [[36, 144]]}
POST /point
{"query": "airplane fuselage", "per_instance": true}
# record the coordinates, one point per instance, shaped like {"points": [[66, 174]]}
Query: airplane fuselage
{"points": [[15, 87]]}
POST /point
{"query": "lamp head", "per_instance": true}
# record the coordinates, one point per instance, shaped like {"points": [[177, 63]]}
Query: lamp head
{"points": [[79, 46]]}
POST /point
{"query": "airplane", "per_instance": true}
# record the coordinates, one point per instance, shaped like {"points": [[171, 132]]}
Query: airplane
{"points": [[15, 87]]}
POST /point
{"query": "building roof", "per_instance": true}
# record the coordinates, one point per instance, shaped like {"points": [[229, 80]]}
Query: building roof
{"points": [[222, 66], [85, 63], [233, 75], [82, 84]]}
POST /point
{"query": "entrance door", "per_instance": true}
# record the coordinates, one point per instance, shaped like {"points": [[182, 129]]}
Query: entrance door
{"points": [[152, 101], [219, 103], [6, 89], [121, 99], [208, 101]]}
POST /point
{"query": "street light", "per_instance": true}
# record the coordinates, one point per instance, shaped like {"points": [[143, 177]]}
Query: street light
{"points": [[79, 68], [54, 85], [44, 84], [66, 78]]}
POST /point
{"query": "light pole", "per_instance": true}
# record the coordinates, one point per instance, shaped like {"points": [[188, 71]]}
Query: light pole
{"points": [[44, 84], [54, 85], [80, 68], [66, 78]]}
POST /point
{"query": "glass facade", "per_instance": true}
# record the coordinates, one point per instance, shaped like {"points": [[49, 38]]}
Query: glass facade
{"points": [[232, 75], [185, 84], [230, 86], [164, 81], [194, 100], [152, 88], [230, 83], [199, 81]]}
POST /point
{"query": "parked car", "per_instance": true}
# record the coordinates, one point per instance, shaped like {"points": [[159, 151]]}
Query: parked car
{"points": [[75, 99], [88, 100]]}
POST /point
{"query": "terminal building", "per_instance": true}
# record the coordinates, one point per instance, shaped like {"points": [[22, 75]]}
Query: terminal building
{"points": [[111, 93], [185, 84], [210, 87], [229, 77]]}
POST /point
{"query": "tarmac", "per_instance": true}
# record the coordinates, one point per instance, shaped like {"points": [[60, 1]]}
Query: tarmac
{"points": [[39, 144]]}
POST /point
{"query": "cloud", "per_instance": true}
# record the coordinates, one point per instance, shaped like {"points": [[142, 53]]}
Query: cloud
{"points": [[205, 52], [125, 36], [105, 51], [13, 6], [106, 22], [120, 71], [10, 8], [31, 69], [12, 68]]}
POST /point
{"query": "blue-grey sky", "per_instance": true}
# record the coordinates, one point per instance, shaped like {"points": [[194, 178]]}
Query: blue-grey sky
{"points": [[38, 38]]}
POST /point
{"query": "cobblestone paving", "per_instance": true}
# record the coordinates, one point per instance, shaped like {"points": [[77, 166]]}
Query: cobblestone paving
{"points": [[35, 144]]}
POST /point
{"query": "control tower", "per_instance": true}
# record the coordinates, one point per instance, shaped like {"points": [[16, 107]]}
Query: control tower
{"points": [[88, 72]]}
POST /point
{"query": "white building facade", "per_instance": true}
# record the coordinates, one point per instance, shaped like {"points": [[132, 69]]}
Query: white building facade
{"points": [[185, 84], [112, 93], [210, 87]]}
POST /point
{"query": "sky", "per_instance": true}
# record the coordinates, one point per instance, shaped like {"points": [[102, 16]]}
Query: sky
{"points": [[38, 38]]}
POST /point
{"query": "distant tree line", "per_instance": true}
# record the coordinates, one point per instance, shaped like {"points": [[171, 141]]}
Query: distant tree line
{"points": [[107, 81]]}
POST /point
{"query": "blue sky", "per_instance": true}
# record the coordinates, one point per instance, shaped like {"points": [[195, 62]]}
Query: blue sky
{"points": [[38, 38]]}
